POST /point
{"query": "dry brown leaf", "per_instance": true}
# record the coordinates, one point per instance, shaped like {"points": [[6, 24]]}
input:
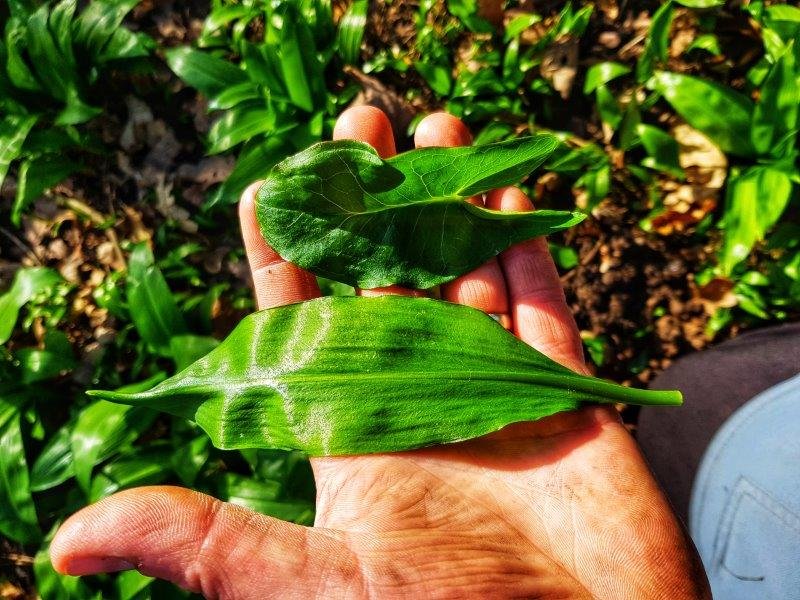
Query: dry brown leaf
{"points": [[705, 164], [686, 204], [560, 65], [717, 293], [609, 8], [8, 591]]}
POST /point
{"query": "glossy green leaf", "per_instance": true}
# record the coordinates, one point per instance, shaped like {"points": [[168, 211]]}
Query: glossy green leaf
{"points": [[187, 348], [27, 283], [293, 67], [601, 73], [101, 430], [254, 163], [342, 212], [438, 76], [519, 24], [351, 31], [235, 95], [152, 307], [564, 256], [54, 465], [50, 50], [99, 31], [754, 201], [201, 70], [262, 65], [189, 458], [574, 23], [264, 497], [775, 113], [358, 375], [38, 365], [662, 150], [237, 126], [708, 42], [131, 584], [18, 519], [37, 175], [629, 126], [656, 46], [607, 107], [784, 19], [146, 466], [719, 112], [17, 68], [13, 131], [701, 3]]}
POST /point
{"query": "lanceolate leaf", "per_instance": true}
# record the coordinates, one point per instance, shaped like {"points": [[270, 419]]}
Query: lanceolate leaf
{"points": [[100, 431], [342, 212], [18, 519], [343, 375], [201, 70], [13, 131], [153, 309], [719, 112], [27, 283], [775, 114], [351, 31], [657, 44], [754, 201]]}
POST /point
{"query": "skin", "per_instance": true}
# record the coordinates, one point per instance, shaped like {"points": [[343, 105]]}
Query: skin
{"points": [[561, 508]]}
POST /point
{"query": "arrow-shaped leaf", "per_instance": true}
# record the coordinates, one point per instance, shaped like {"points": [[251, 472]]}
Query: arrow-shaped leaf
{"points": [[342, 212]]}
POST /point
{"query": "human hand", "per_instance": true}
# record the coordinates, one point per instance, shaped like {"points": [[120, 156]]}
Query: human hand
{"points": [[561, 508]]}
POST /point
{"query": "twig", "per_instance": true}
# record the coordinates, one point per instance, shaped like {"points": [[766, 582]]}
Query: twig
{"points": [[19, 560], [98, 219], [21, 245]]}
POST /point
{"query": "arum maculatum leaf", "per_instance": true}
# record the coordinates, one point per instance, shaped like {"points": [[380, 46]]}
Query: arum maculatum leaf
{"points": [[350, 375], [341, 211]]}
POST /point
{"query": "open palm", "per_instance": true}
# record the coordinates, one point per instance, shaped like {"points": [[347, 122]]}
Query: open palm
{"points": [[561, 508]]}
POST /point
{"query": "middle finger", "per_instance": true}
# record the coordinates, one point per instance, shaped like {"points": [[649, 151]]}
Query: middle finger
{"points": [[485, 287]]}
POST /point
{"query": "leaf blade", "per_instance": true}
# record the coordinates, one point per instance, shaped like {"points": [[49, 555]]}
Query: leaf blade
{"points": [[720, 113], [340, 211], [296, 389]]}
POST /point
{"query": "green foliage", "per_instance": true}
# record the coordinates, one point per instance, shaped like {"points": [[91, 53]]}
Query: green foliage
{"points": [[265, 397], [276, 73], [50, 466], [50, 61], [27, 284], [340, 211], [272, 100]]}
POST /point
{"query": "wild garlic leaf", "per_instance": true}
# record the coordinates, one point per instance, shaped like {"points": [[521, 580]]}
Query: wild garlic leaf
{"points": [[350, 375], [340, 211]]}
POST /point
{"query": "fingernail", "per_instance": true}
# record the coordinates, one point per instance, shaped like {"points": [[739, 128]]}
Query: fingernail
{"points": [[88, 565]]}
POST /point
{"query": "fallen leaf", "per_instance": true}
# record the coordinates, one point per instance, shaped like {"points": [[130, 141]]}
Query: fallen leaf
{"points": [[717, 293], [560, 65]]}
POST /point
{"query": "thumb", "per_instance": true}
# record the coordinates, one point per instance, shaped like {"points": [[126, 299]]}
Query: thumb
{"points": [[199, 543]]}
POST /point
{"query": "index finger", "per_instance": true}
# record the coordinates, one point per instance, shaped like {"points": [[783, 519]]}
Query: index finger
{"points": [[275, 281]]}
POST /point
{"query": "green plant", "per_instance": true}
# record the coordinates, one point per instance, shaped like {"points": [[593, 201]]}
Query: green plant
{"points": [[272, 99], [50, 62], [349, 392], [61, 452], [342, 212], [762, 135]]}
